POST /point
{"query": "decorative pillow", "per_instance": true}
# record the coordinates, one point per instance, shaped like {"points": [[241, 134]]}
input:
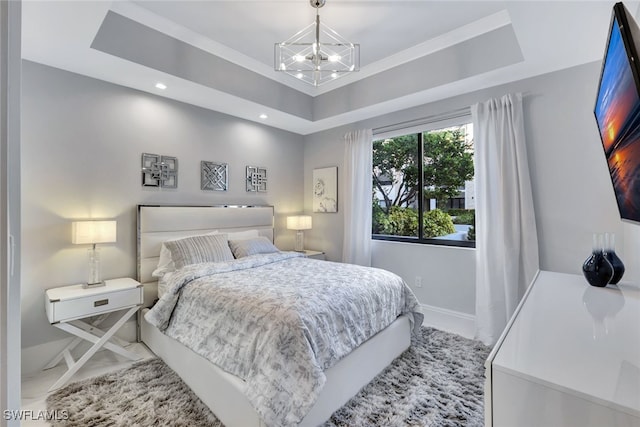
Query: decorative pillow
{"points": [[166, 265], [259, 245], [199, 249]]}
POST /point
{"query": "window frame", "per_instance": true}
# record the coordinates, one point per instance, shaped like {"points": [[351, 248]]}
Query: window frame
{"points": [[420, 130]]}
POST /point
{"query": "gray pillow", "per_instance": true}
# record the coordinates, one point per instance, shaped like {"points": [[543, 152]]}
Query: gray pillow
{"points": [[259, 245], [198, 249]]}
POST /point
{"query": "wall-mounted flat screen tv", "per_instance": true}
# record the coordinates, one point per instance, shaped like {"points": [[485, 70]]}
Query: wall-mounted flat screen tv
{"points": [[617, 111]]}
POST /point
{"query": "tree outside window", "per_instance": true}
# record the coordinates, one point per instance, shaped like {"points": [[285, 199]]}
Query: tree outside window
{"points": [[423, 187]]}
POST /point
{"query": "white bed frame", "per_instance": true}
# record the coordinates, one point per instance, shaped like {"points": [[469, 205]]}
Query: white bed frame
{"points": [[220, 391]]}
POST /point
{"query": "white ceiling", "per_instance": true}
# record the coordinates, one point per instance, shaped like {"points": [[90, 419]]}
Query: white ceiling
{"points": [[552, 35]]}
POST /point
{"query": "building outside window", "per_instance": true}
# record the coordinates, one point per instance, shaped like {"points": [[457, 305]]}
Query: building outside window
{"points": [[423, 185]]}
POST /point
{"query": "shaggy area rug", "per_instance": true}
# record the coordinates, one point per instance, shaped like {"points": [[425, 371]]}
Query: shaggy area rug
{"points": [[438, 381]]}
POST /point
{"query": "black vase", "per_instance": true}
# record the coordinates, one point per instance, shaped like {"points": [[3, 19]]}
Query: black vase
{"points": [[614, 260], [618, 267], [597, 269]]}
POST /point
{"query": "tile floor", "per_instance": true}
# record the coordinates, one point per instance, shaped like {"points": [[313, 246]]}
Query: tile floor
{"points": [[35, 386]]}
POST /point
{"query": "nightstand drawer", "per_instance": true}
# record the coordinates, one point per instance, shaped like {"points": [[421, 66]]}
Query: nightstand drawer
{"points": [[93, 304]]}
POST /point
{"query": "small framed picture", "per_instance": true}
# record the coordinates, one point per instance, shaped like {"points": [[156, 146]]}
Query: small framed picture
{"points": [[325, 189]]}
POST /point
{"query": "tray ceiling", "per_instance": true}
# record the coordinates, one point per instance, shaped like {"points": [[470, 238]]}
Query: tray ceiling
{"points": [[218, 54]]}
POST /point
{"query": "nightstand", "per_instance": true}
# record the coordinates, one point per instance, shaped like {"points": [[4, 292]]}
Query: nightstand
{"points": [[66, 305], [314, 254]]}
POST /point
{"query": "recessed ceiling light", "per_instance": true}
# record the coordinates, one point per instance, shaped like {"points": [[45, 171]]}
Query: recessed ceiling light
{"points": [[161, 86], [263, 116]]}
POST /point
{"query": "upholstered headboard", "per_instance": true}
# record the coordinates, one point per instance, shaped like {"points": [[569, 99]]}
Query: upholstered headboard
{"points": [[157, 223]]}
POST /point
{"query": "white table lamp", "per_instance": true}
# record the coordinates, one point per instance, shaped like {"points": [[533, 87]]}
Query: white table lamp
{"points": [[299, 223], [91, 233]]}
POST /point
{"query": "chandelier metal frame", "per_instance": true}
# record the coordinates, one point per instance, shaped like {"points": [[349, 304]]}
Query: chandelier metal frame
{"points": [[311, 60]]}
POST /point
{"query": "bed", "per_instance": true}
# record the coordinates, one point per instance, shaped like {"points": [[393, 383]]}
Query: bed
{"points": [[228, 395]]}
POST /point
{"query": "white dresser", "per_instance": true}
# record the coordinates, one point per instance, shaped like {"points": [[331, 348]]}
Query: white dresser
{"points": [[571, 357]]}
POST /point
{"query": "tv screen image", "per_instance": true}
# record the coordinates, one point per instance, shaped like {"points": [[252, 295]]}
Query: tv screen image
{"points": [[617, 113]]}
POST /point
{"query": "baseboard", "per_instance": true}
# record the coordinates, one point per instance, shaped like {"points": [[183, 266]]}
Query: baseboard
{"points": [[34, 358], [449, 320]]}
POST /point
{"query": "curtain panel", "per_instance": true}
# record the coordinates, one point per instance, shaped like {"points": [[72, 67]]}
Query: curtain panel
{"points": [[358, 159], [506, 236]]}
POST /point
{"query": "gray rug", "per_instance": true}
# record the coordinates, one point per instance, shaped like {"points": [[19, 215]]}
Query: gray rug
{"points": [[438, 381]]}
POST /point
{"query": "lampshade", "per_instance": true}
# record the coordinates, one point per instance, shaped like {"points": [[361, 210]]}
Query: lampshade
{"points": [[92, 232], [299, 222], [317, 54]]}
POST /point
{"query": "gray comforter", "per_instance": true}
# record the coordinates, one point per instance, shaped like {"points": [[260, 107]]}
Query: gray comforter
{"points": [[279, 320]]}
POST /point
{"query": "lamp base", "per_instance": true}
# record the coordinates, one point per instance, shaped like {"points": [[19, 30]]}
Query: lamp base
{"points": [[299, 245], [93, 285]]}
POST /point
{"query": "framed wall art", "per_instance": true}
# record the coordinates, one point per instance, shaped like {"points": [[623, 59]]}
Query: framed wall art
{"points": [[325, 189], [159, 171], [214, 176], [256, 179]]}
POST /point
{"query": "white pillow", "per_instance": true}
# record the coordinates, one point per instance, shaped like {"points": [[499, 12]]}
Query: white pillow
{"points": [[165, 263]]}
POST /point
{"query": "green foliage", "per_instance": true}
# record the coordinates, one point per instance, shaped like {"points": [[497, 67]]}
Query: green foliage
{"points": [[399, 222], [463, 216], [379, 221], [437, 223], [456, 212], [471, 234], [396, 159], [404, 222], [448, 163]]}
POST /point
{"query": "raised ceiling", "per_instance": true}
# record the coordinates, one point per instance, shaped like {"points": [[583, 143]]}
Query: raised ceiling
{"points": [[218, 54]]}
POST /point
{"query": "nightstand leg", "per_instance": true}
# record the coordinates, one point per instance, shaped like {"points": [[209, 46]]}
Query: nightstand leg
{"points": [[92, 328], [96, 346], [54, 362], [95, 337]]}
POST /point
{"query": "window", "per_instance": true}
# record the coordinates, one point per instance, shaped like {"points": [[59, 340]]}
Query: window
{"points": [[423, 186]]}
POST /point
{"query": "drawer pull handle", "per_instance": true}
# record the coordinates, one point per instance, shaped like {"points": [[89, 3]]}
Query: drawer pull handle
{"points": [[101, 302]]}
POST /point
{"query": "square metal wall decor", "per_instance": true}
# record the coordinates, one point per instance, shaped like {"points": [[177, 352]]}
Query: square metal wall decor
{"points": [[159, 171], [214, 176], [256, 179]]}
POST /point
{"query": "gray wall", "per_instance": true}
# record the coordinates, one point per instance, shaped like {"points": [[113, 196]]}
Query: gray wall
{"points": [[573, 196], [81, 144], [82, 141]]}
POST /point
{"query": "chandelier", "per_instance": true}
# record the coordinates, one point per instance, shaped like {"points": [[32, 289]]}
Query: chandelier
{"points": [[309, 59]]}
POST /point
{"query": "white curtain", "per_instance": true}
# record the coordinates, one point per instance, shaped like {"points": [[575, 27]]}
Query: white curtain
{"points": [[358, 158], [506, 238]]}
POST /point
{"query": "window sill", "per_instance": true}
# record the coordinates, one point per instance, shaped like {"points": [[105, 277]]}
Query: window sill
{"points": [[435, 242]]}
